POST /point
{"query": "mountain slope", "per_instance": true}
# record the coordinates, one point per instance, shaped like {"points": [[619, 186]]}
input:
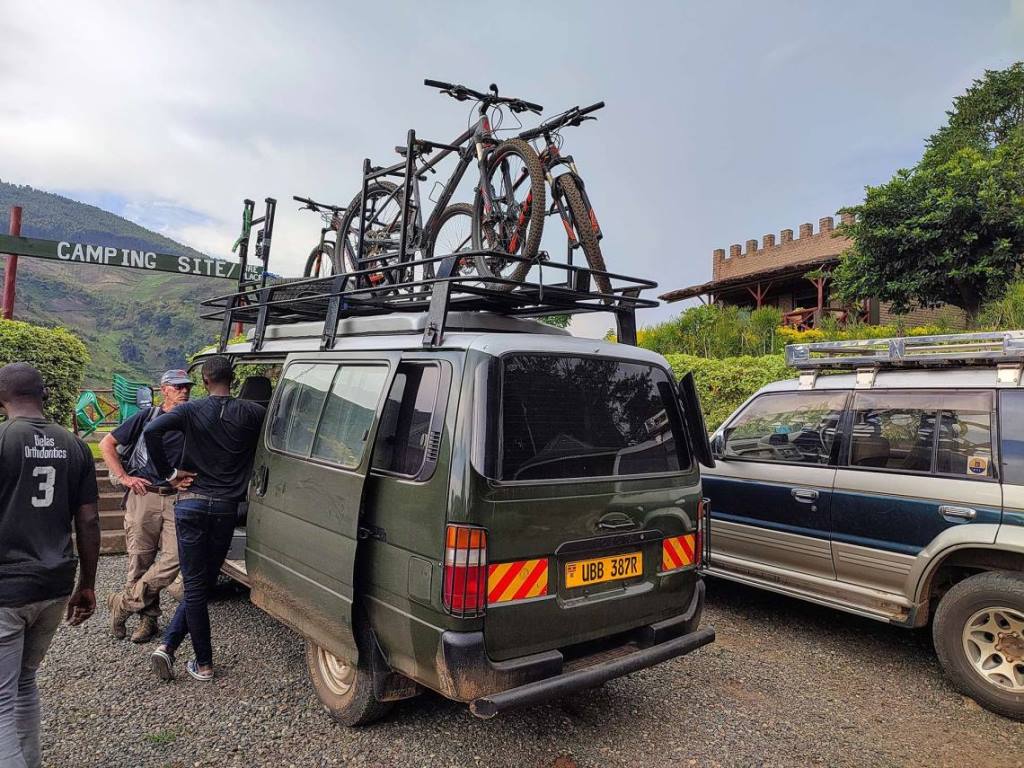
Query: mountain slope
{"points": [[133, 322]]}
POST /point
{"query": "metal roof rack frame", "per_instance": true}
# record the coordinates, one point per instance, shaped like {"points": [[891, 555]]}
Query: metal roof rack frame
{"points": [[330, 299], [998, 348]]}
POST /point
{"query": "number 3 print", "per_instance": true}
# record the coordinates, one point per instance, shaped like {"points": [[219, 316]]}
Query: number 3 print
{"points": [[49, 475]]}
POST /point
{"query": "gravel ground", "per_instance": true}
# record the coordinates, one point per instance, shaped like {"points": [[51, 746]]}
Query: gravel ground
{"points": [[786, 683]]}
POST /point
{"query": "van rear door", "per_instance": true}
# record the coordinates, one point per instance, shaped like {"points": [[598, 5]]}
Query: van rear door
{"points": [[306, 500], [587, 476]]}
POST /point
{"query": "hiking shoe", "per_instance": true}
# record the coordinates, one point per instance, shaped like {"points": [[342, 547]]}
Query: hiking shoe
{"points": [[176, 589], [146, 630], [118, 615]]}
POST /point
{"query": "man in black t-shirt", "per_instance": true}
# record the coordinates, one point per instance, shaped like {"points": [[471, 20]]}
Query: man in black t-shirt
{"points": [[47, 480], [149, 512], [221, 433]]}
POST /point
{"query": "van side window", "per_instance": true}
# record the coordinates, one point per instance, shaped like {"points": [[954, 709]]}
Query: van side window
{"points": [[791, 427], [348, 415], [404, 430], [303, 391], [897, 431], [1011, 435]]}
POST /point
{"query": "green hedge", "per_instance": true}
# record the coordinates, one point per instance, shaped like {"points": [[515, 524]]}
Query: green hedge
{"points": [[723, 384], [59, 355]]}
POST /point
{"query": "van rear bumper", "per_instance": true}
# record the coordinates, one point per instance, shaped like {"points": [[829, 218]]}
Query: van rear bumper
{"points": [[491, 687]]}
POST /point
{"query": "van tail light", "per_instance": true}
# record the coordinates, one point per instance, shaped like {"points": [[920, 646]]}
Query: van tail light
{"points": [[465, 571]]}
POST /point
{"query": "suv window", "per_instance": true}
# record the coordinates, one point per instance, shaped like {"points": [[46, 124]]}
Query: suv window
{"points": [[579, 417], [1011, 435], [791, 427], [404, 432], [348, 415], [897, 431]]}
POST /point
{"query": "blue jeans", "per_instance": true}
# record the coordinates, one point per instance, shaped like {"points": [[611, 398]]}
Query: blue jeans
{"points": [[205, 528]]}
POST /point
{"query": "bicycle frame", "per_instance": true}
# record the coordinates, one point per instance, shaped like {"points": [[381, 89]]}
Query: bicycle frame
{"points": [[552, 157]]}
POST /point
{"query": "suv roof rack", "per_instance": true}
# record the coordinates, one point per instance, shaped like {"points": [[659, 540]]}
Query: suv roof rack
{"points": [[987, 348], [331, 299]]}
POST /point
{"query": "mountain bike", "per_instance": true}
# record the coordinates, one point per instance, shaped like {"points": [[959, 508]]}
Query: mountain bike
{"points": [[383, 226], [569, 197], [320, 262]]}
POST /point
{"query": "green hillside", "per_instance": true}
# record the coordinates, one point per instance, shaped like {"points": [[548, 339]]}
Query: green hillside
{"points": [[133, 322]]}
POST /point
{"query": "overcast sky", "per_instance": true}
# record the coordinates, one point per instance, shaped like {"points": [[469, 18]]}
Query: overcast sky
{"points": [[725, 120]]}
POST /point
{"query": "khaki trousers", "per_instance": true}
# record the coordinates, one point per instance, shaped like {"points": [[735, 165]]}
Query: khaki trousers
{"points": [[152, 551]]}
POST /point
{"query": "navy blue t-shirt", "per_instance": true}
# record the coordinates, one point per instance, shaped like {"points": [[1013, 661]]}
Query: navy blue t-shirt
{"points": [[221, 433], [130, 434]]}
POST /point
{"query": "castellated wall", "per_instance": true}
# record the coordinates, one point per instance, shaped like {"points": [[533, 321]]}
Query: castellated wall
{"points": [[808, 245]]}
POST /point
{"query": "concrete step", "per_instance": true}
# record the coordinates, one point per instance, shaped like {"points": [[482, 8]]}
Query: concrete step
{"points": [[110, 501], [112, 543], [112, 521]]}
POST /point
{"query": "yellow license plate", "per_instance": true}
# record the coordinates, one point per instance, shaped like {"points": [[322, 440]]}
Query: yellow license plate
{"points": [[582, 573]]}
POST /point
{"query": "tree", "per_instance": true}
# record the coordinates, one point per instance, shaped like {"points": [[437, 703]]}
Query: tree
{"points": [[951, 229]]}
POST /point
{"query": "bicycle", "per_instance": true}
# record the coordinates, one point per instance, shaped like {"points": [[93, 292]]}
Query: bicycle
{"points": [[320, 262], [378, 230], [568, 193]]}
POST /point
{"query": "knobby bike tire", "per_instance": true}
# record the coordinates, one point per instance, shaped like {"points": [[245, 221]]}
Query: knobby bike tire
{"points": [[534, 225], [581, 221], [318, 254], [350, 222], [456, 209]]}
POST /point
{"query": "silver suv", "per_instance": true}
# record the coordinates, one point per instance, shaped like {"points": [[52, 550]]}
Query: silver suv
{"points": [[894, 490]]}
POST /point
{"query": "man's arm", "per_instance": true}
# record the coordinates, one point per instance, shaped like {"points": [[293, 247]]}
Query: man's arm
{"points": [[108, 448], [173, 421], [87, 530]]}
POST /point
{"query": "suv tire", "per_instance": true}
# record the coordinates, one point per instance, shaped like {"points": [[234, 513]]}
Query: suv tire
{"points": [[979, 637], [345, 689]]}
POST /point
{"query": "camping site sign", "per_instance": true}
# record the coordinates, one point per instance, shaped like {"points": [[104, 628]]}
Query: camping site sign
{"points": [[109, 256]]}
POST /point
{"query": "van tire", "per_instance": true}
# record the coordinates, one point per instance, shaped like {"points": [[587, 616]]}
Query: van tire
{"points": [[969, 602], [345, 690]]}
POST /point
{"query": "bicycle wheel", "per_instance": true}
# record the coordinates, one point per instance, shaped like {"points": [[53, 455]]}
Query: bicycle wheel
{"points": [[567, 186], [321, 261], [516, 221], [380, 247], [453, 234]]}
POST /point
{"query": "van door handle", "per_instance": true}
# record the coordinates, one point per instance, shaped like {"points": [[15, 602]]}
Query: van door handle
{"points": [[960, 513], [805, 495], [259, 480]]}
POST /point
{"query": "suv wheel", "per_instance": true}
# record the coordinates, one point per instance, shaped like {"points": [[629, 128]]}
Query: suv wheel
{"points": [[979, 637], [345, 689]]}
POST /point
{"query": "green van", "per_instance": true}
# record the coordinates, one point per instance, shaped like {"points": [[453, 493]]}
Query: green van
{"points": [[512, 515]]}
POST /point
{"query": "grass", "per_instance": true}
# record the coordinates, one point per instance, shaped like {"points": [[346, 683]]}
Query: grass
{"points": [[161, 738]]}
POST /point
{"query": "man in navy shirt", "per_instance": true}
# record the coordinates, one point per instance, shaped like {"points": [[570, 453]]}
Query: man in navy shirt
{"points": [[47, 482], [148, 514], [221, 433]]}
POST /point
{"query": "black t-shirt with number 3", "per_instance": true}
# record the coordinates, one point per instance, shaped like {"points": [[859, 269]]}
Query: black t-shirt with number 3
{"points": [[46, 474]]}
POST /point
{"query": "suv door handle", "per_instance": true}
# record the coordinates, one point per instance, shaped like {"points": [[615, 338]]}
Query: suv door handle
{"points": [[259, 480], [961, 513], [805, 495]]}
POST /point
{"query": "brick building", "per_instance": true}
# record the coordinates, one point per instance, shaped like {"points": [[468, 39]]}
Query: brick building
{"points": [[792, 274]]}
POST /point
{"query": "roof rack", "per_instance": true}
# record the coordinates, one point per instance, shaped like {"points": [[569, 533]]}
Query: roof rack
{"points": [[559, 289], [1003, 349]]}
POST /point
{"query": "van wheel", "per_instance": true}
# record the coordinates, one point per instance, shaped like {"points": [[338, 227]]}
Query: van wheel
{"points": [[979, 637], [345, 689]]}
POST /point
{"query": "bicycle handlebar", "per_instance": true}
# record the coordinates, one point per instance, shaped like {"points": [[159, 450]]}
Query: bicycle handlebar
{"points": [[313, 205], [573, 116], [462, 93]]}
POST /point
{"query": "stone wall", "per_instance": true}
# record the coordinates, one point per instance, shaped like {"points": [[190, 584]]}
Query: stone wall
{"points": [[807, 246]]}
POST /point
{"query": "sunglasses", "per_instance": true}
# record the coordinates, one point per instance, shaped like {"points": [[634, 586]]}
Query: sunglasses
{"points": [[180, 387]]}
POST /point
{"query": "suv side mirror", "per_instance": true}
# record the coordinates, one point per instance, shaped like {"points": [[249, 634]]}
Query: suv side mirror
{"points": [[718, 446], [144, 397]]}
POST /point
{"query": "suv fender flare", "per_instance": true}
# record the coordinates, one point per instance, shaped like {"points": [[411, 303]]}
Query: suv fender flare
{"points": [[995, 538]]}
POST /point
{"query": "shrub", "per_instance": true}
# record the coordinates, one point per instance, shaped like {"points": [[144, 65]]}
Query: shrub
{"points": [[724, 384], [59, 355]]}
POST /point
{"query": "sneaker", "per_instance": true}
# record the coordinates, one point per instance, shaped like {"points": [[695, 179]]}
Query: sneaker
{"points": [[193, 669], [118, 615], [161, 661], [146, 631]]}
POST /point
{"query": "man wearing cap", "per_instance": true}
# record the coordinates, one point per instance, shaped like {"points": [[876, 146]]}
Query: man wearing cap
{"points": [[149, 512]]}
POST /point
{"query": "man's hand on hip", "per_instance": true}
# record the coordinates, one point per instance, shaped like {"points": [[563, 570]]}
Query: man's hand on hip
{"points": [[182, 479], [136, 485]]}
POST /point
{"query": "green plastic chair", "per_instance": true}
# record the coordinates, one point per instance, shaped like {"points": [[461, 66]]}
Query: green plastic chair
{"points": [[89, 412], [126, 395]]}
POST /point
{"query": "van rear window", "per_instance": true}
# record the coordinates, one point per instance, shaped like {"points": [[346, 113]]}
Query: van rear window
{"points": [[579, 417]]}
